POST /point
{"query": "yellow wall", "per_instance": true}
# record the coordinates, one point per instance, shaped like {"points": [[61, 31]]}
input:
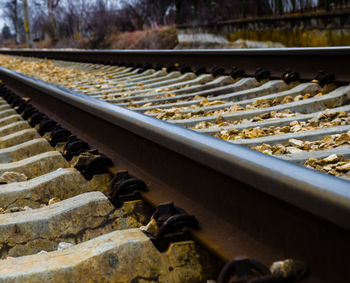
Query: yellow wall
{"points": [[296, 37]]}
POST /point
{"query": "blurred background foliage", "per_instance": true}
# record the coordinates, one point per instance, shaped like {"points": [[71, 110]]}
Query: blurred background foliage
{"points": [[135, 23]]}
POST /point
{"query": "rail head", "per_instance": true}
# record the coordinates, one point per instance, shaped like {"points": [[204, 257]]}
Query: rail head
{"points": [[322, 195], [330, 50]]}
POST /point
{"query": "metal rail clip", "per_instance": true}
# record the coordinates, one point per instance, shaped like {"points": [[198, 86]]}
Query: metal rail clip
{"points": [[249, 270], [261, 74], [74, 147], [289, 76], [170, 224], [324, 79], [59, 134], [125, 187], [237, 73], [46, 125], [36, 118], [92, 163]]}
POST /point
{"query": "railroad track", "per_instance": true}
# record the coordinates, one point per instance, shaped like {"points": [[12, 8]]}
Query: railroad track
{"points": [[247, 203]]}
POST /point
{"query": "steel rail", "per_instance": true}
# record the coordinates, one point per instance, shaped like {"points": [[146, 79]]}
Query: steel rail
{"points": [[247, 202], [306, 61]]}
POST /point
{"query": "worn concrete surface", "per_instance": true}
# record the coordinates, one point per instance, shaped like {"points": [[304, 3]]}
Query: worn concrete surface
{"points": [[62, 183], [5, 113], [13, 128], [36, 165], [24, 150], [74, 220], [18, 137], [120, 256], [10, 119]]}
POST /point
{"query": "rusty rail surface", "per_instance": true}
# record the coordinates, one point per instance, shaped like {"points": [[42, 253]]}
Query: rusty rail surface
{"points": [[247, 203]]}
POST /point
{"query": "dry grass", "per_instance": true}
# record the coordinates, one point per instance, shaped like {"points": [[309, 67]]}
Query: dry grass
{"points": [[162, 38]]}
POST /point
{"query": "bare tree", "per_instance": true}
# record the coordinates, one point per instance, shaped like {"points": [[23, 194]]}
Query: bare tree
{"points": [[27, 24], [15, 19], [137, 11], [11, 12], [51, 6], [6, 33], [96, 20]]}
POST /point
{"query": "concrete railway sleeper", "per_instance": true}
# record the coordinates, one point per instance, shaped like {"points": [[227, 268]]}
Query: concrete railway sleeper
{"points": [[24, 150], [60, 184], [73, 220], [209, 103], [75, 188], [217, 94], [60, 207], [104, 259], [214, 108], [55, 205]]}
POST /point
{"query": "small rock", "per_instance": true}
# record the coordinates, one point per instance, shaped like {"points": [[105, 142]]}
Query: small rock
{"points": [[147, 104], [312, 161], [267, 151], [287, 99], [53, 200], [298, 97], [343, 138], [11, 177], [296, 142], [293, 150], [306, 96], [84, 159], [330, 159], [42, 252], [327, 168], [289, 268], [345, 167], [296, 128], [151, 228], [219, 119], [64, 245]]}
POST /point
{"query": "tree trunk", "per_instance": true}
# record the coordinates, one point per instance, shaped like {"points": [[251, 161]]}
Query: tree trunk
{"points": [[27, 24], [294, 8], [16, 20], [243, 8], [327, 5], [178, 16], [279, 6], [51, 7]]}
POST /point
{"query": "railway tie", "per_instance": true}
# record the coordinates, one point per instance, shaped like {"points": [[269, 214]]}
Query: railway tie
{"points": [[58, 226], [157, 169]]}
